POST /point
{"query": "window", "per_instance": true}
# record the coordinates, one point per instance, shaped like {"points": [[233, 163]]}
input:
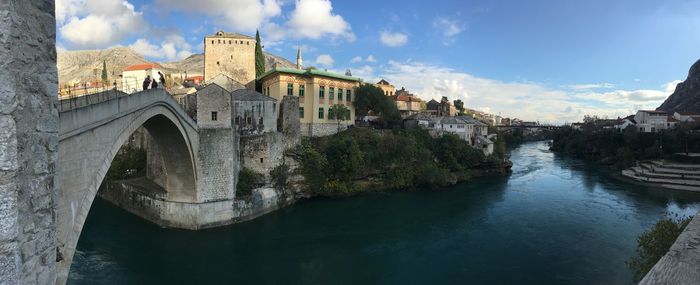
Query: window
{"points": [[229, 41], [219, 41], [249, 120], [217, 63], [340, 94], [268, 90], [301, 90], [212, 41], [261, 160], [301, 112], [347, 95], [260, 122], [331, 114], [214, 116], [331, 91], [320, 113], [290, 89], [238, 120], [321, 91]]}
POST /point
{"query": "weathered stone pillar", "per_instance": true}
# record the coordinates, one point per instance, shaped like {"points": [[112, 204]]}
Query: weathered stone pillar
{"points": [[28, 141]]}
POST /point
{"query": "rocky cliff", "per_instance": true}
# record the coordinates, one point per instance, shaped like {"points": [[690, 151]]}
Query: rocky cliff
{"points": [[686, 97], [86, 65]]}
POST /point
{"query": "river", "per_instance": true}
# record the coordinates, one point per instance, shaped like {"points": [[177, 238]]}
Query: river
{"points": [[554, 220]]}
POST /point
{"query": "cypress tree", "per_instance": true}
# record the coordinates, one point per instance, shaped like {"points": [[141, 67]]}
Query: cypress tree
{"points": [[104, 73], [259, 56]]}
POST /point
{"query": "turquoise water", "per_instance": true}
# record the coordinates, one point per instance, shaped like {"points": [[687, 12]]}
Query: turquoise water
{"points": [[553, 220]]}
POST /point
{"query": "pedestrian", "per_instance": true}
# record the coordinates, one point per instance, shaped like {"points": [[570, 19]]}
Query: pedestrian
{"points": [[147, 82], [154, 83], [161, 79]]}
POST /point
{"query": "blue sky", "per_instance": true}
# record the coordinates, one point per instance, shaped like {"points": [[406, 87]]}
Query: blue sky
{"points": [[553, 61]]}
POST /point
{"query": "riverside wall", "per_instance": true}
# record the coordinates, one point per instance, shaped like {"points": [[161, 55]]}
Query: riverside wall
{"points": [[681, 264]]}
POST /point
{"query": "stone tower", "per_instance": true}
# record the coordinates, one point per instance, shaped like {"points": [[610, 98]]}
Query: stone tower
{"points": [[230, 54], [299, 58]]}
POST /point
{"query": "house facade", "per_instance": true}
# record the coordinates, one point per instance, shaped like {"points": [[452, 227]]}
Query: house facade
{"points": [[134, 75], [407, 103], [318, 92], [651, 121]]}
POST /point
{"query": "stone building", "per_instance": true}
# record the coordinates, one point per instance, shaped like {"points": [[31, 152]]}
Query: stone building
{"points": [[230, 54], [388, 89], [318, 91]]}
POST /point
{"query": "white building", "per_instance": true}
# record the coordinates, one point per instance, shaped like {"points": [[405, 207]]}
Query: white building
{"points": [[651, 121], [467, 128], [133, 76], [687, 117]]}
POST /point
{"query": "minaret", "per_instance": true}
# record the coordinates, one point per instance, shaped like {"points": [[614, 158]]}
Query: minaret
{"points": [[299, 58]]}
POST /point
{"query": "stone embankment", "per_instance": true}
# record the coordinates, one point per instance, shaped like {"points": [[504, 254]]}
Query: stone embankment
{"points": [[666, 175]]}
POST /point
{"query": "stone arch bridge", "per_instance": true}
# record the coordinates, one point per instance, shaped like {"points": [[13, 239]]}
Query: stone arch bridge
{"points": [[92, 129]]}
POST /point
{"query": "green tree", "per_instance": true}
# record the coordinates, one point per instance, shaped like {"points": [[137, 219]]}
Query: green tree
{"points": [[259, 56], [340, 113], [653, 244], [248, 180], [104, 74], [460, 106], [371, 98]]}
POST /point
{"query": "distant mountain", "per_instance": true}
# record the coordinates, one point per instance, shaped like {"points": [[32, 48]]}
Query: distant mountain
{"points": [[686, 97], [86, 65]]}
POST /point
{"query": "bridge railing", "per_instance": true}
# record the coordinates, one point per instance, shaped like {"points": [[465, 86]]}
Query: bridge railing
{"points": [[75, 100]]}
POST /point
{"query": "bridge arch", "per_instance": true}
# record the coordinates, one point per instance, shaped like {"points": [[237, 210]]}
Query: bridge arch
{"points": [[90, 138]]}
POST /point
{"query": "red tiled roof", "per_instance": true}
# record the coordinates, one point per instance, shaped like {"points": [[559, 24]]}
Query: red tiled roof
{"points": [[143, 66]]}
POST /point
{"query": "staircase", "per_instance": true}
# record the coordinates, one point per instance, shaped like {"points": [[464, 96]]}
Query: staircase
{"points": [[666, 174]]}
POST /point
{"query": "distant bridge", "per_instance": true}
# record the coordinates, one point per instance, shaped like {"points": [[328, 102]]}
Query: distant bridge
{"points": [[92, 129]]}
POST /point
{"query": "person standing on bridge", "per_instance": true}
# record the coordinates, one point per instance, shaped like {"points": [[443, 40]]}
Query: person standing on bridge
{"points": [[161, 79], [147, 82], [154, 83]]}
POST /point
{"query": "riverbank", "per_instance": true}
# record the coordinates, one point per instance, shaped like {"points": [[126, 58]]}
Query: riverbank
{"points": [[361, 160]]}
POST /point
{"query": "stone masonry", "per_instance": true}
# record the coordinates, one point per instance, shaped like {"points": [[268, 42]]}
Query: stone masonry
{"points": [[28, 142]]}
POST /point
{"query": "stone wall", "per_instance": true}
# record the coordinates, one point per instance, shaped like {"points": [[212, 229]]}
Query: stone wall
{"points": [[321, 130], [680, 266], [264, 152], [288, 122], [218, 164], [231, 56], [28, 142]]}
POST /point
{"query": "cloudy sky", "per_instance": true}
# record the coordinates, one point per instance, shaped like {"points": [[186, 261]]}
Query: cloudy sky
{"points": [[552, 61]]}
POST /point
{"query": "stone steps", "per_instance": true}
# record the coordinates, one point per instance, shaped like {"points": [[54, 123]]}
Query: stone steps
{"points": [[655, 173]]}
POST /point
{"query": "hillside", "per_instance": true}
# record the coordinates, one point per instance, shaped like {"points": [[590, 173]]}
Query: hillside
{"points": [[686, 97], [87, 64]]}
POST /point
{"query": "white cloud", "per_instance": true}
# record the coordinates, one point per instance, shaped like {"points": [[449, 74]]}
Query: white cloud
{"points": [[671, 86], [528, 101], [390, 39], [238, 15], [449, 28], [174, 47], [591, 86], [325, 60], [97, 23], [315, 19], [358, 59]]}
